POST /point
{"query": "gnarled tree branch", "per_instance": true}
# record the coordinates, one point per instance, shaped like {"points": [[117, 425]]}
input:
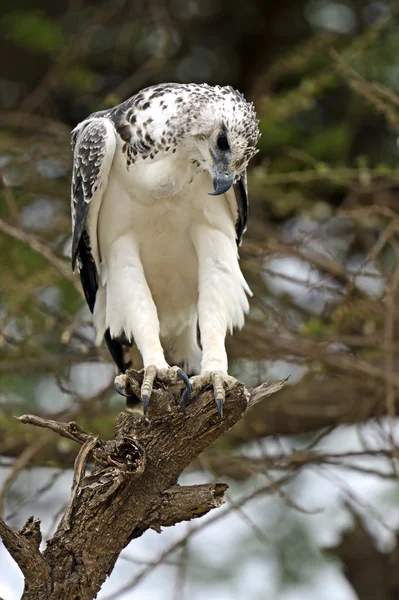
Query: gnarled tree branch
{"points": [[132, 488]]}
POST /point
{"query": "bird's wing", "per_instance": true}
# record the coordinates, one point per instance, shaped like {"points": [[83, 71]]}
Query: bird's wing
{"points": [[94, 144], [238, 202]]}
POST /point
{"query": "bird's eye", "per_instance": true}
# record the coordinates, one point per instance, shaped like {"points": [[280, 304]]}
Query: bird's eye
{"points": [[222, 142]]}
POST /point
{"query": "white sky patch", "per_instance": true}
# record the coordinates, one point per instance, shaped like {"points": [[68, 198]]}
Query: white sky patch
{"points": [[334, 16]]}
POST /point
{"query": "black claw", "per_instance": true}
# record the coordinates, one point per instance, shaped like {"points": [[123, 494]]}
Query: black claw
{"points": [[219, 405], [186, 395], [182, 375], [184, 398], [121, 391], [145, 400]]}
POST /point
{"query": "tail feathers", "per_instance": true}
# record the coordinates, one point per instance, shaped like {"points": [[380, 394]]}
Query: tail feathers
{"points": [[116, 350]]}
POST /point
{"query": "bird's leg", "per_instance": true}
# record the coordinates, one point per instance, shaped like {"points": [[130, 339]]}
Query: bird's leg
{"points": [[214, 359], [222, 303], [131, 310]]}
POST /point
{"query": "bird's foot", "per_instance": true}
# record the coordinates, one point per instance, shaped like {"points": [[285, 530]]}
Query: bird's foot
{"points": [[169, 376], [218, 380]]}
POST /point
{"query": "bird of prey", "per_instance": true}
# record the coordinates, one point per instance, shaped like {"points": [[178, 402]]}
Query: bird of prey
{"points": [[159, 207]]}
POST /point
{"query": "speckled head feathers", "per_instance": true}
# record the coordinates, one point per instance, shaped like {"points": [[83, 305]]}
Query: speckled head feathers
{"points": [[160, 117]]}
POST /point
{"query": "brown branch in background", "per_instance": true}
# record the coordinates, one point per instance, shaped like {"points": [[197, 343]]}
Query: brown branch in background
{"points": [[260, 343], [331, 174], [75, 49], [292, 63], [373, 574], [48, 363], [42, 249], [242, 467], [141, 76], [314, 404], [34, 123], [21, 463], [380, 97]]}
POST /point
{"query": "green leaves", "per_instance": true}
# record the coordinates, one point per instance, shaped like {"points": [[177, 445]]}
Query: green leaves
{"points": [[32, 30]]}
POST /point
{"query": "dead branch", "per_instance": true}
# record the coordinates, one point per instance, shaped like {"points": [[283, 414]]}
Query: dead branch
{"points": [[24, 548], [133, 487]]}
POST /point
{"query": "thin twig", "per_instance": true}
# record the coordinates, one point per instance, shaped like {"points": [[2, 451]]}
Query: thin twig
{"points": [[21, 463], [42, 249], [389, 363]]}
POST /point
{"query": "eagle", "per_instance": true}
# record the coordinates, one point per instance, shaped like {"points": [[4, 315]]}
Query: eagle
{"points": [[159, 208]]}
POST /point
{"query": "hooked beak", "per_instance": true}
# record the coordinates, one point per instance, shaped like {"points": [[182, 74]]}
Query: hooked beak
{"points": [[222, 182], [222, 178]]}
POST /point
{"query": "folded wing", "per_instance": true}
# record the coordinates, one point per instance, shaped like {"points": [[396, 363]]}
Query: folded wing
{"points": [[240, 201], [94, 143]]}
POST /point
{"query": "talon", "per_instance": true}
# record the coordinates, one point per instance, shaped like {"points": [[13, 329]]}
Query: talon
{"points": [[218, 388], [145, 400], [182, 375], [184, 398], [219, 406], [121, 391], [186, 395], [146, 389], [218, 380]]}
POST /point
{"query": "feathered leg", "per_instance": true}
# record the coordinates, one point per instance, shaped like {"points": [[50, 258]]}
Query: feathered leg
{"points": [[222, 305]]}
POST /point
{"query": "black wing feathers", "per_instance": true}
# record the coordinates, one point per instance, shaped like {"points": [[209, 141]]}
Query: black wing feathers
{"points": [[88, 277], [116, 351], [240, 191], [87, 271], [81, 210]]}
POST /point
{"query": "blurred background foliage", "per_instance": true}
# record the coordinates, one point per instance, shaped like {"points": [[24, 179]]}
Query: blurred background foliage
{"points": [[321, 255]]}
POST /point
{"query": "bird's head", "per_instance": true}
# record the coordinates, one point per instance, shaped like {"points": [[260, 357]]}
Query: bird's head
{"points": [[223, 132]]}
